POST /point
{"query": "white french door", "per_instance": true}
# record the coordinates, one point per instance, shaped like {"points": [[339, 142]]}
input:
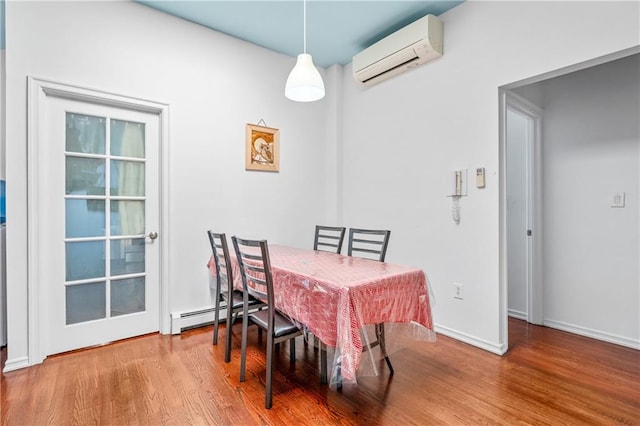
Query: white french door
{"points": [[98, 213]]}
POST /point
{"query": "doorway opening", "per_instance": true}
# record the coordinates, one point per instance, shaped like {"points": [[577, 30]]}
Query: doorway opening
{"points": [[591, 144]]}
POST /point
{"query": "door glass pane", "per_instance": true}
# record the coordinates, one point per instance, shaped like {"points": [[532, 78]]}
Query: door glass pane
{"points": [[127, 256], [84, 218], [127, 139], [127, 217], [127, 296], [85, 260], [86, 302], [127, 178], [85, 176], [85, 133], [104, 218]]}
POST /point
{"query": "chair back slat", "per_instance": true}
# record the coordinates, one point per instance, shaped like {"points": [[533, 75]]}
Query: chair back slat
{"points": [[220, 250], [329, 238], [369, 243], [255, 269]]}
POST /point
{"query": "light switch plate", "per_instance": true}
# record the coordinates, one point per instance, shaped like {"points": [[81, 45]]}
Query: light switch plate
{"points": [[618, 199], [457, 291]]}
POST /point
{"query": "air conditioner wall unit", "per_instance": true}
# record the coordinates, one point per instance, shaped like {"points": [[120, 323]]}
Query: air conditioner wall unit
{"points": [[413, 45]]}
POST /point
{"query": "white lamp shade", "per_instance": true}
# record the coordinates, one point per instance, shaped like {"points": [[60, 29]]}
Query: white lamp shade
{"points": [[304, 83]]}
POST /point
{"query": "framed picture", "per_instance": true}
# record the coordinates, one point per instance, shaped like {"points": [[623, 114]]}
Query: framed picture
{"points": [[262, 148]]}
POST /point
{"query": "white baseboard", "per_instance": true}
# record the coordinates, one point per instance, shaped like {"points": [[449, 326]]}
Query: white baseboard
{"points": [[204, 316], [518, 314], [195, 318], [594, 334], [498, 349], [16, 364]]}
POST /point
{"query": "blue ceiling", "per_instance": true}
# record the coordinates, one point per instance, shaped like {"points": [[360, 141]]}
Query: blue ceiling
{"points": [[336, 30]]}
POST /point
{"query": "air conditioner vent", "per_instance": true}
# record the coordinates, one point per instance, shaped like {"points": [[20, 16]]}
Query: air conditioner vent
{"points": [[413, 45]]}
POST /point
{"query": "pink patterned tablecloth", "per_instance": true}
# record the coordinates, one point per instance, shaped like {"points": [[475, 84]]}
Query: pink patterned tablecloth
{"points": [[335, 296]]}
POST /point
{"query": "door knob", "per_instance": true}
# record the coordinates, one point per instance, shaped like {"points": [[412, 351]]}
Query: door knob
{"points": [[152, 235]]}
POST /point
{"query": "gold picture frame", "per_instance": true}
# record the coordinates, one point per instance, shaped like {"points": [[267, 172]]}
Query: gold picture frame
{"points": [[262, 148]]}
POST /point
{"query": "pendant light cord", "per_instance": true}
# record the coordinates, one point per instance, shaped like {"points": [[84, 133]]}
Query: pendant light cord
{"points": [[304, 24]]}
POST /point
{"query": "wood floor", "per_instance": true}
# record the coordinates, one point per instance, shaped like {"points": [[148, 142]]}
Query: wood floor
{"points": [[548, 377]]}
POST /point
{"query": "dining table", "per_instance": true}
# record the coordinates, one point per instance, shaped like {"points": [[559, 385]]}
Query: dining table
{"points": [[340, 299]]}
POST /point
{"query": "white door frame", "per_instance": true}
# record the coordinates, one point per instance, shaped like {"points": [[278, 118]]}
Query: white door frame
{"points": [[533, 207], [38, 91]]}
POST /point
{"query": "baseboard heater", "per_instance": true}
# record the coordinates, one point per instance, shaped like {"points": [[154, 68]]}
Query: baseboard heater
{"points": [[196, 318]]}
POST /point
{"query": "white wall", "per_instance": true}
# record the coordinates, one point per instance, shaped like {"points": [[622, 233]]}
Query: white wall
{"points": [[395, 143], [2, 88], [2, 115], [404, 136], [214, 84], [591, 150]]}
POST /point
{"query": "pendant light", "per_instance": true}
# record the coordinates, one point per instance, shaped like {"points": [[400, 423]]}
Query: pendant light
{"points": [[304, 83]]}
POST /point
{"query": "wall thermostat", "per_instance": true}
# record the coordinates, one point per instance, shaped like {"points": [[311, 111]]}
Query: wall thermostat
{"points": [[480, 177]]}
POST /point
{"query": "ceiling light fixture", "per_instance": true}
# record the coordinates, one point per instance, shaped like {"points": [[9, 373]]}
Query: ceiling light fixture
{"points": [[304, 83]]}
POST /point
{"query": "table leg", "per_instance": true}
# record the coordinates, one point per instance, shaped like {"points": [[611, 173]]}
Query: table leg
{"points": [[383, 349], [323, 363]]}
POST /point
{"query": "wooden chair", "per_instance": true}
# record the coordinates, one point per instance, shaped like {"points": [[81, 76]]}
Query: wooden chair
{"points": [[329, 238], [224, 290], [255, 267], [371, 244]]}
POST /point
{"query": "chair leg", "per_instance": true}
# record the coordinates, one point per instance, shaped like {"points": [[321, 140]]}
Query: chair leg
{"points": [[292, 350], [270, 350], [227, 348], [243, 356], [383, 348], [386, 358], [216, 320], [323, 363]]}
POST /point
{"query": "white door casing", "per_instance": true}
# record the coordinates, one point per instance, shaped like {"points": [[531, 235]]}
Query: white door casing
{"points": [[46, 161]]}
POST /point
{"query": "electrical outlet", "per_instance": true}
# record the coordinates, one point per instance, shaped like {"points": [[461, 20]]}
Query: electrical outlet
{"points": [[457, 291]]}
